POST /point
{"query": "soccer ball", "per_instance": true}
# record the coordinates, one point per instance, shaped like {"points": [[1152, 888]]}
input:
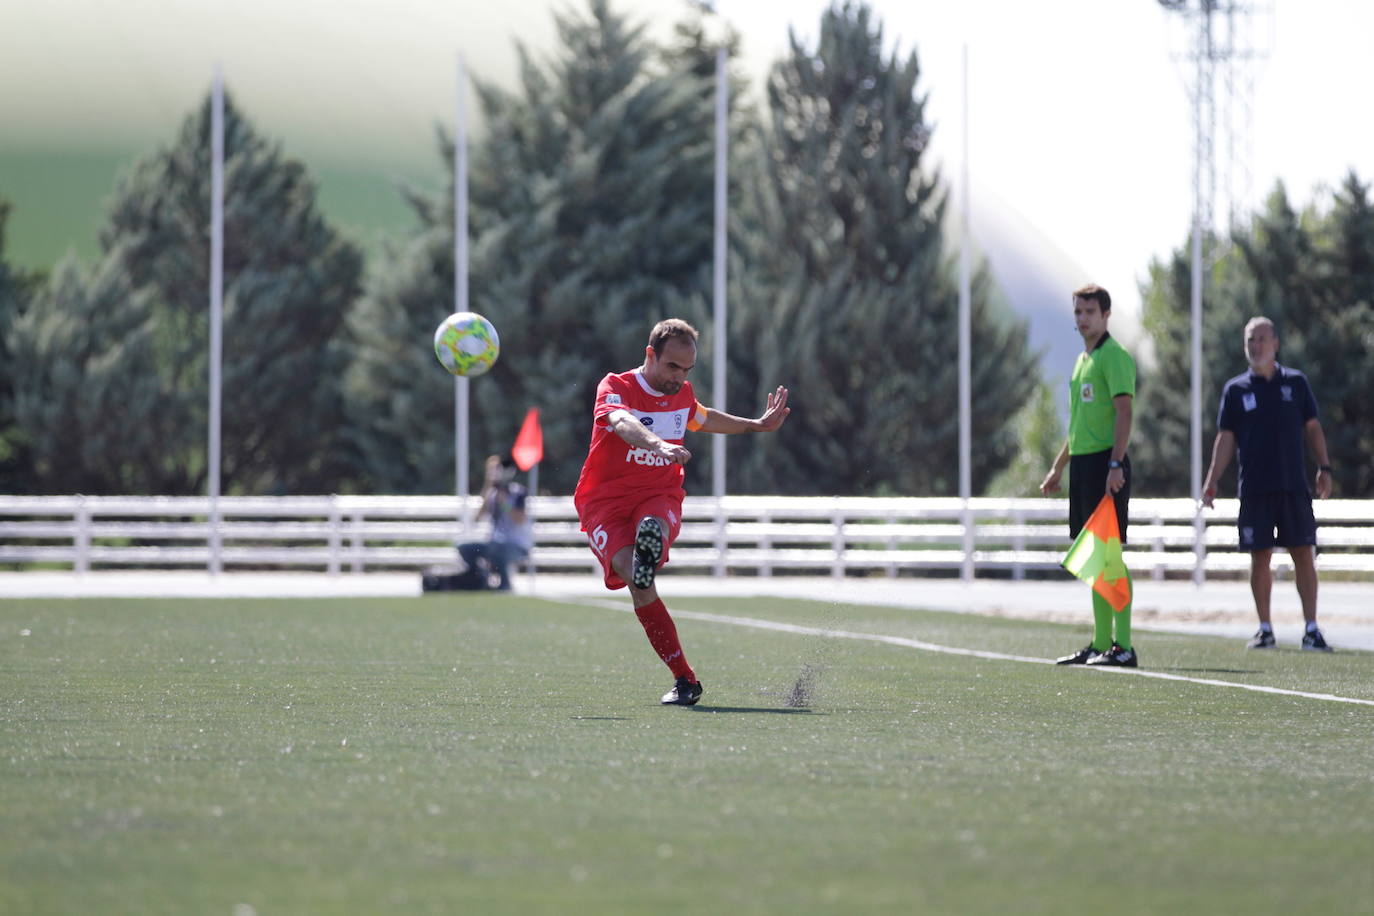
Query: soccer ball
{"points": [[466, 344]]}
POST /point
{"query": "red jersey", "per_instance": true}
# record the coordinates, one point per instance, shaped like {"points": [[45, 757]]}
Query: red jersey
{"points": [[615, 470]]}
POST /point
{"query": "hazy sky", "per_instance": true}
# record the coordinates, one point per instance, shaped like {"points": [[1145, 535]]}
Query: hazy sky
{"points": [[1079, 130]]}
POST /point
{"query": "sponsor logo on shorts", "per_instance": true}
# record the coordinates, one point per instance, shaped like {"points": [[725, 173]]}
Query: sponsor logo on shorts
{"points": [[1247, 535], [645, 457], [672, 517]]}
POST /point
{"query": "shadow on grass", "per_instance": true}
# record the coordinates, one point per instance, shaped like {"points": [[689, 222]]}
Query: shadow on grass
{"points": [[786, 711]]}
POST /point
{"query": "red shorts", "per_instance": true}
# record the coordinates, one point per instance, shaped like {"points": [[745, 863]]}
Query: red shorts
{"points": [[610, 526]]}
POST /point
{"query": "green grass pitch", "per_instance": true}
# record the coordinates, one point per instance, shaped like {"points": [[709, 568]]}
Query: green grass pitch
{"points": [[474, 754]]}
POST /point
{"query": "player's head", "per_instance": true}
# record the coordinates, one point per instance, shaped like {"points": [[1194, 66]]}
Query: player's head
{"points": [[670, 329], [670, 355], [1261, 342], [501, 468], [1092, 306]]}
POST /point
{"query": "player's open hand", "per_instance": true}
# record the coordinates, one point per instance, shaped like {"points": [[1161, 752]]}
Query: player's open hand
{"points": [[776, 411]]}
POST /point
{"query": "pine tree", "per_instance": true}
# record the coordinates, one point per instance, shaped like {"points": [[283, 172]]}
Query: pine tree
{"points": [[95, 411], [121, 356], [1040, 431], [16, 288], [852, 299], [1312, 273], [1162, 423], [591, 219], [1326, 325]]}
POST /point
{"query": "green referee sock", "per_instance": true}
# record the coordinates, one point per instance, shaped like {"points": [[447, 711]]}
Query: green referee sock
{"points": [[1105, 620], [1102, 623]]}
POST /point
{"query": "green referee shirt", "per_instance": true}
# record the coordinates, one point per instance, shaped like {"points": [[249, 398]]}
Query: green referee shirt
{"points": [[1099, 376]]}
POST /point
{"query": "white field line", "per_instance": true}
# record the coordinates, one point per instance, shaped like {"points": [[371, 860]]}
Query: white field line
{"points": [[924, 646]]}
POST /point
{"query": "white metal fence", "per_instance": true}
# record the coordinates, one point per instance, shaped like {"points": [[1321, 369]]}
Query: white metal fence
{"points": [[740, 535]]}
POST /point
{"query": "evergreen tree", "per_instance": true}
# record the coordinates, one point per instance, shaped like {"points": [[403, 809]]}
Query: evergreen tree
{"points": [[1162, 423], [591, 219], [1312, 273], [93, 409], [852, 298], [1041, 433], [15, 289], [121, 356]]}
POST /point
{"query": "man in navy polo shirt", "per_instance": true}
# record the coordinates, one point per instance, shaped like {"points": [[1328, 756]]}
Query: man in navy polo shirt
{"points": [[1266, 415]]}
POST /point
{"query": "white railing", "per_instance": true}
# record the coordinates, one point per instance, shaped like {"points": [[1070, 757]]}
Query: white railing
{"points": [[748, 535]]}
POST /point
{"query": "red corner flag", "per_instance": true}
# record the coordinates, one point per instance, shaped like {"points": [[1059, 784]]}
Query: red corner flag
{"points": [[1096, 557], [528, 449]]}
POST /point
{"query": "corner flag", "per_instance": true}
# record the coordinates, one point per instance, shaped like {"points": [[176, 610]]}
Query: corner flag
{"points": [[1096, 556], [528, 449]]}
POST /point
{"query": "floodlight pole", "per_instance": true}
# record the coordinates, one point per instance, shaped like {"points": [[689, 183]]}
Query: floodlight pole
{"points": [[216, 564], [1202, 153], [965, 355], [721, 320], [460, 293]]}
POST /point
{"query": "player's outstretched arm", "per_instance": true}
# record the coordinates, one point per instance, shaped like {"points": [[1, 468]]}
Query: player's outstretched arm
{"points": [[772, 417]]}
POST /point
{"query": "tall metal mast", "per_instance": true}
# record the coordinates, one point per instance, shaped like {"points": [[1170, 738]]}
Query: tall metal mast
{"points": [[1221, 85]]}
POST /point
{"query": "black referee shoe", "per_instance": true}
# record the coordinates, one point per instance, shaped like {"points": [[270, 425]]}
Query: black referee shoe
{"points": [[648, 551], [1115, 657], [1081, 657]]}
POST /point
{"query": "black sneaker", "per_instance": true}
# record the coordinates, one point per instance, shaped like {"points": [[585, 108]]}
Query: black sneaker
{"points": [[684, 693], [1115, 657], [1081, 657], [648, 551], [1313, 640], [1264, 639]]}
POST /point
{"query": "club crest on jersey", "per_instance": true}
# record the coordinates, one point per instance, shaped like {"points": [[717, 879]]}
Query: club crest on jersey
{"points": [[1286, 391], [1085, 392], [1247, 401]]}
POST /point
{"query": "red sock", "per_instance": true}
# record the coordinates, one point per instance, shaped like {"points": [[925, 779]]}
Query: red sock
{"points": [[662, 633]]}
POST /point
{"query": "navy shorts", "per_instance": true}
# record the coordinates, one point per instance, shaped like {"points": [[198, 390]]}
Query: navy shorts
{"points": [[1280, 519], [1087, 483]]}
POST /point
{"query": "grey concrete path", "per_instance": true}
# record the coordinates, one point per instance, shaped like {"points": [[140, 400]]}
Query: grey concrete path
{"points": [[1345, 610]]}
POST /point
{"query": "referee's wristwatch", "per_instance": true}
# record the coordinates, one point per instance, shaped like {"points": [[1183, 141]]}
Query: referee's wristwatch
{"points": [[1113, 464]]}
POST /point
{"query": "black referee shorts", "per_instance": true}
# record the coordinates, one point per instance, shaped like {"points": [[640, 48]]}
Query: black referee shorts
{"points": [[1087, 483]]}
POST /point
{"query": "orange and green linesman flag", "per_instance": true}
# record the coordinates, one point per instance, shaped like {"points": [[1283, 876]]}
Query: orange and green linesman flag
{"points": [[1095, 556]]}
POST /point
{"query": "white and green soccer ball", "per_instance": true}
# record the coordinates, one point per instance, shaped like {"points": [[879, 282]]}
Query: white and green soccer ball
{"points": [[466, 344]]}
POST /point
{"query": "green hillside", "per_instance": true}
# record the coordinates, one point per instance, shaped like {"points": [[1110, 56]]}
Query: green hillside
{"points": [[60, 196]]}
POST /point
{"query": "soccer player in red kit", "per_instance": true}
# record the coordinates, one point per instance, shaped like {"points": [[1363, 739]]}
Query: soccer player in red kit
{"points": [[629, 495]]}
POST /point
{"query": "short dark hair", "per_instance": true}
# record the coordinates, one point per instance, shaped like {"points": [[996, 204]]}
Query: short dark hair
{"points": [[666, 330], [1096, 294]]}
